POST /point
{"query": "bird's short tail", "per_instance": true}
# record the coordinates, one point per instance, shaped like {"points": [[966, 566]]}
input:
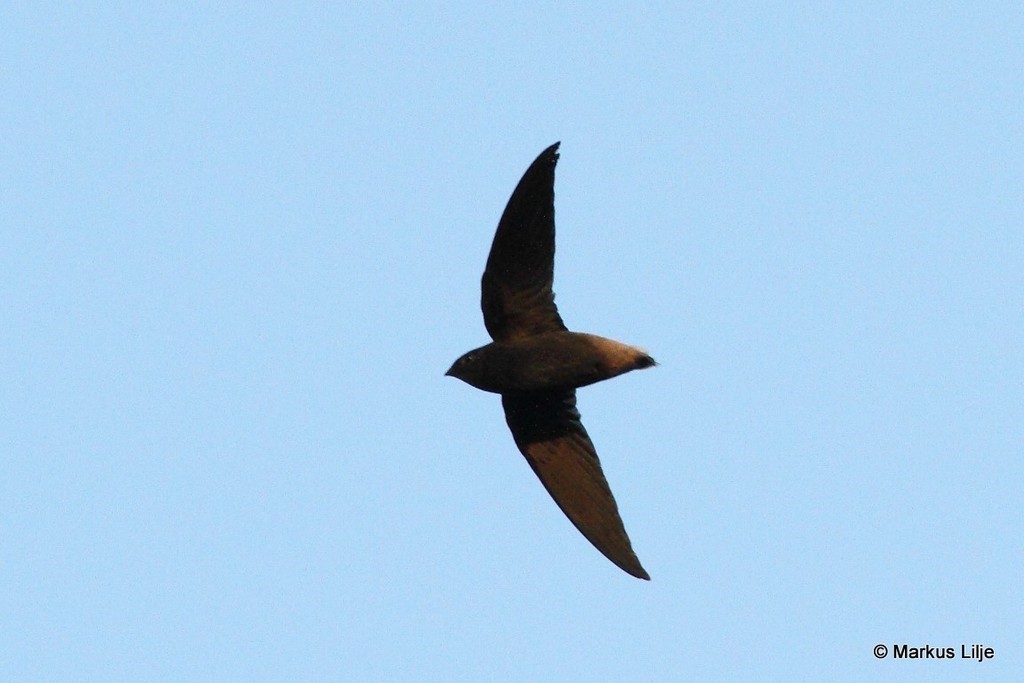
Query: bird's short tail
{"points": [[644, 360]]}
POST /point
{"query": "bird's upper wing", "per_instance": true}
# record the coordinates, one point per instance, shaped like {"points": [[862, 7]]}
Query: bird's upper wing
{"points": [[547, 429], [516, 295]]}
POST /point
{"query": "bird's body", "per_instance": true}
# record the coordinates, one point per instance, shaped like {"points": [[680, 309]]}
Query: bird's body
{"points": [[553, 360], [536, 364]]}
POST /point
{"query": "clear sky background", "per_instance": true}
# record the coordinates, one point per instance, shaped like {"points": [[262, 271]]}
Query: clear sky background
{"points": [[241, 245]]}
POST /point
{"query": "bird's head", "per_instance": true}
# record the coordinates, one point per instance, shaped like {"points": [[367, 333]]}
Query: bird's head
{"points": [[471, 369]]}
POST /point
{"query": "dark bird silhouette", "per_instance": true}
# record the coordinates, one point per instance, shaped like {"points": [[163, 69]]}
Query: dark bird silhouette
{"points": [[536, 364]]}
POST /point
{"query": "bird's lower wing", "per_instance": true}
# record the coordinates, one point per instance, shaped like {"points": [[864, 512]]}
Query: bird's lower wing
{"points": [[547, 429]]}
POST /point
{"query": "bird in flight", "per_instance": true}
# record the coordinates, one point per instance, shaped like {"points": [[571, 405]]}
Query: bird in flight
{"points": [[536, 364]]}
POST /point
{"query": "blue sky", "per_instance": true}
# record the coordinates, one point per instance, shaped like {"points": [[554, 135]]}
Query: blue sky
{"points": [[242, 244]]}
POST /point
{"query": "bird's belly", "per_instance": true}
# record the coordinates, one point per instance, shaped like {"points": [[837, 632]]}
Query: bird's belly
{"points": [[562, 360]]}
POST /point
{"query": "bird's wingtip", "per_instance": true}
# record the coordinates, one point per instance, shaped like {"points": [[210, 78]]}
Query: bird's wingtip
{"points": [[635, 569]]}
